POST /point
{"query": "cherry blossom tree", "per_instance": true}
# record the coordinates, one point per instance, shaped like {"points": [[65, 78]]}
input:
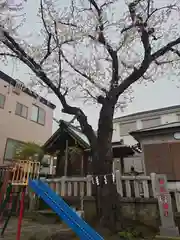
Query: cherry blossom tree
{"points": [[9, 11], [97, 49]]}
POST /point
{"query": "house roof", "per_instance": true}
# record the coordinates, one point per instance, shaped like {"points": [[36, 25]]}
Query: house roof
{"points": [[164, 128], [76, 133], [13, 82], [158, 111], [79, 134], [73, 131]]}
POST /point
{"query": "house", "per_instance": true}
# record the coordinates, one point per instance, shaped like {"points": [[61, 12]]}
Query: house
{"points": [[72, 149], [25, 116], [132, 122], [140, 120], [161, 149]]}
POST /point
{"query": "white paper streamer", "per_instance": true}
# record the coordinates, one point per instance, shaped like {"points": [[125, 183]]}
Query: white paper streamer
{"points": [[97, 180], [105, 179]]}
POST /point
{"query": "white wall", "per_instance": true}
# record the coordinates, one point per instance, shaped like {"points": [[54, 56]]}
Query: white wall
{"points": [[116, 133], [133, 161], [129, 140], [169, 118], [137, 161]]}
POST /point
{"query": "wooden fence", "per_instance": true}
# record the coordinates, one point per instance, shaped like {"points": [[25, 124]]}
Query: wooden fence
{"points": [[71, 186], [127, 186]]}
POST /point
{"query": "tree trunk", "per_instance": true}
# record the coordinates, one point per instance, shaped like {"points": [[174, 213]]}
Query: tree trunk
{"points": [[107, 194]]}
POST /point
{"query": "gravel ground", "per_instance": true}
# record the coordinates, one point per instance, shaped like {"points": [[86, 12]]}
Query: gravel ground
{"points": [[32, 228]]}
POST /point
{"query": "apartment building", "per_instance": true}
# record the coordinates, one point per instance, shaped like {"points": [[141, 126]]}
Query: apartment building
{"points": [[140, 120], [24, 116], [136, 121]]}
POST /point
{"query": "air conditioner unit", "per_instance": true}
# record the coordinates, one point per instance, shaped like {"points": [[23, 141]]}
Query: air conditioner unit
{"points": [[18, 87]]}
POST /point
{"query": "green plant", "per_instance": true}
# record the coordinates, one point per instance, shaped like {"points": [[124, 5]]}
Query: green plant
{"points": [[30, 150], [129, 235]]}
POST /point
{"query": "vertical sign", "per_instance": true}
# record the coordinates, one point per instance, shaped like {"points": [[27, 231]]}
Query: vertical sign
{"points": [[168, 227]]}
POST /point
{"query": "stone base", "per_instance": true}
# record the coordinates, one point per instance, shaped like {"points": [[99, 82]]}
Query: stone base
{"points": [[171, 232]]}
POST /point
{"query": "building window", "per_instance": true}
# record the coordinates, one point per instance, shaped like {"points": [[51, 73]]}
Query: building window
{"points": [[11, 147], [126, 128], [2, 100], [153, 122], [178, 115], [38, 115], [21, 110]]}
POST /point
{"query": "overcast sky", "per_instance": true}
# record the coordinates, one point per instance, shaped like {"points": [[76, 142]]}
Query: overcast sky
{"points": [[164, 92]]}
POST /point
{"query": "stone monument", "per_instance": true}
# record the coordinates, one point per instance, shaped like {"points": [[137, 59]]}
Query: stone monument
{"points": [[168, 227]]}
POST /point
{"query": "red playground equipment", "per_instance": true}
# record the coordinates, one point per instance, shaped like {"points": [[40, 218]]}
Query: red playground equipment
{"points": [[13, 185]]}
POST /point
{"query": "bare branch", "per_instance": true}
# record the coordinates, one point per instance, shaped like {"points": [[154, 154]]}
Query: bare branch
{"points": [[102, 40], [159, 9], [68, 24], [48, 53], [59, 54], [83, 74], [168, 47], [9, 55], [49, 35], [148, 8], [138, 73], [36, 68], [159, 63], [106, 4], [175, 51], [88, 92]]}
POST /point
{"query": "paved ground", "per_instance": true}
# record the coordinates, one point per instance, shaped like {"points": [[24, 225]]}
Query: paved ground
{"points": [[30, 228]]}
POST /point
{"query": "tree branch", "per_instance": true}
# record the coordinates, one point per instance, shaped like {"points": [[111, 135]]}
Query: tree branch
{"points": [[36, 68], [175, 51], [59, 54], [83, 74], [158, 9], [138, 73], [168, 47], [9, 55], [102, 40], [148, 8], [49, 35]]}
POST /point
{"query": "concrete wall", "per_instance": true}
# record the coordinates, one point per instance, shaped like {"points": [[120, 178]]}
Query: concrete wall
{"points": [[144, 211], [19, 128]]}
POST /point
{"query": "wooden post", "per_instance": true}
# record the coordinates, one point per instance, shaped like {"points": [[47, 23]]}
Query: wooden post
{"points": [[89, 185], [66, 159], [82, 165], [51, 165], [119, 186], [177, 198], [153, 184], [128, 188], [63, 186]]}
